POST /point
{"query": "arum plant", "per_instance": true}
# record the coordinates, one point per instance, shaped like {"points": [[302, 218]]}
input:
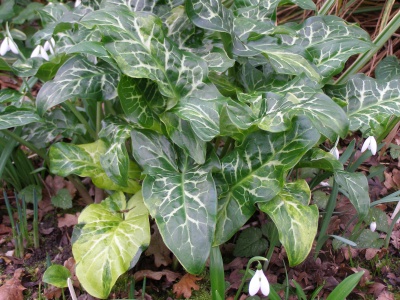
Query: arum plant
{"points": [[196, 114]]}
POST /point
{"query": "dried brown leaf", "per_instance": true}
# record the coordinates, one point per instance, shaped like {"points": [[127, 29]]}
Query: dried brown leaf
{"points": [[4, 229], [170, 276], [185, 285], [162, 255], [12, 288], [385, 295], [52, 292], [68, 220], [376, 289]]}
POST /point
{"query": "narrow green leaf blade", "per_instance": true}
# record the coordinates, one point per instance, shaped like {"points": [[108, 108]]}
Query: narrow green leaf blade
{"points": [[345, 287]]}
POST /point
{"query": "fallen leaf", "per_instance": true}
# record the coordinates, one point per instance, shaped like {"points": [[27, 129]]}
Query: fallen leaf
{"points": [[376, 289], [52, 292], [237, 263], [68, 220], [162, 255], [185, 285], [385, 295], [370, 253], [4, 229], [12, 288], [46, 231], [170, 276]]}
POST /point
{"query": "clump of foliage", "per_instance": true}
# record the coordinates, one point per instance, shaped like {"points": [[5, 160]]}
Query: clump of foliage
{"points": [[197, 112]]}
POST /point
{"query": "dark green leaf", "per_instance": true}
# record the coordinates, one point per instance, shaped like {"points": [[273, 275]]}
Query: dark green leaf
{"points": [[250, 243]]}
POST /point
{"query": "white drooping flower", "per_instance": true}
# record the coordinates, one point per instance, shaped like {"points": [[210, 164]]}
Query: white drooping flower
{"points": [[7, 45], [39, 51], [370, 143], [259, 281], [372, 226], [49, 45], [77, 3], [335, 152]]}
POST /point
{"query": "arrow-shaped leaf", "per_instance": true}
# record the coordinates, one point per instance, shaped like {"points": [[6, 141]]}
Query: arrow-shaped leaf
{"points": [[183, 201], [108, 241], [356, 187], [84, 160], [78, 78], [255, 172], [368, 100], [297, 223]]}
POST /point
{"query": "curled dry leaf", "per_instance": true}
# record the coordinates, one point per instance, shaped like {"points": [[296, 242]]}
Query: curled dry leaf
{"points": [[185, 285]]}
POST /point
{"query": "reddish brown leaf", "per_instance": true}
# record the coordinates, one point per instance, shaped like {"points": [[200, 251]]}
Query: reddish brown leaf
{"points": [[52, 292], [12, 288], [158, 249], [185, 285], [170, 276], [68, 220], [385, 295], [4, 229]]}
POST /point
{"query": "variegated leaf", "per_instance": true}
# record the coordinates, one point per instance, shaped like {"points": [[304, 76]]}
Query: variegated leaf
{"points": [[209, 14], [57, 122], [182, 134], [236, 119], [183, 201], [388, 69], [297, 223], [142, 51], [137, 98], [301, 98], [263, 10], [108, 241], [13, 116], [284, 59], [368, 100], [255, 171], [10, 95], [320, 159], [154, 153], [78, 78], [115, 161], [355, 186], [84, 160], [180, 28], [329, 41]]}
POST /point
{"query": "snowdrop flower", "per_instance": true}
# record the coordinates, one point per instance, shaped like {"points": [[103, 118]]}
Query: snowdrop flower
{"points": [[372, 226], [370, 143], [39, 51], [259, 281], [77, 3], [7, 45], [49, 45], [335, 152]]}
